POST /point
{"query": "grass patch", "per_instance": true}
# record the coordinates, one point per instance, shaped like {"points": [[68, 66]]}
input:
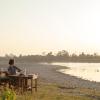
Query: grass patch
{"points": [[47, 91]]}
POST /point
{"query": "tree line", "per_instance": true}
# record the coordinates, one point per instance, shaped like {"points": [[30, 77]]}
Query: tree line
{"points": [[60, 56]]}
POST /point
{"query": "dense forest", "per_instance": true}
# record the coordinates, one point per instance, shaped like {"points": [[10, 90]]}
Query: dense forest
{"points": [[60, 56]]}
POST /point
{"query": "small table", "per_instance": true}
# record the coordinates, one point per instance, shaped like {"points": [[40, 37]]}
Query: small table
{"points": [[22, 82]]}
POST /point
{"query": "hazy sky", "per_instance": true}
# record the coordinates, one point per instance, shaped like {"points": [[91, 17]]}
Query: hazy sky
{"points": [[35, 26]]}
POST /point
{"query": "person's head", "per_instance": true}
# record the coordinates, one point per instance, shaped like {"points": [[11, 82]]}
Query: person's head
{"points": [[11, 62]]}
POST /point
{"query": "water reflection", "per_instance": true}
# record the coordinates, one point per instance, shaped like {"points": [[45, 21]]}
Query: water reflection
{"points": [[88, 71]]}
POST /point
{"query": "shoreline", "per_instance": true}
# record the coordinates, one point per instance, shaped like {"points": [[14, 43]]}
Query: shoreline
{"points": [[49, 74], [77, 82]]}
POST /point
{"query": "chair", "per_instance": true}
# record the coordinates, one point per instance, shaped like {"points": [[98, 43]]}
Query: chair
{"points": [[3, 78]]}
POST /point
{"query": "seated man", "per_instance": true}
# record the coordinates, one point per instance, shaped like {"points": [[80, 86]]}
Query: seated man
{"points": [[12, 71], [12, 68]]}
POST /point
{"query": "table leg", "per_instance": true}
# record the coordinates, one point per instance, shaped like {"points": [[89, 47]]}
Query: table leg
{"points": [[31, 85], [36, 85]]}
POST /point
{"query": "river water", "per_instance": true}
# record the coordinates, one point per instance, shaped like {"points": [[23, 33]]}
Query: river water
{"points": [[87, 71]]}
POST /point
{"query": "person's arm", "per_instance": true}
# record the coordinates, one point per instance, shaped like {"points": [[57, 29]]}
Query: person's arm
{"points": [[18, 69]]}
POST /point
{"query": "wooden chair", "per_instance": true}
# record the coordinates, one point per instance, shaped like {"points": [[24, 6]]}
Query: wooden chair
{"points": [[3, 78]]}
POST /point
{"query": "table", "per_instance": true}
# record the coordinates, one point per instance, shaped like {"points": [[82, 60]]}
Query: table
{"points": [[23, 82]]}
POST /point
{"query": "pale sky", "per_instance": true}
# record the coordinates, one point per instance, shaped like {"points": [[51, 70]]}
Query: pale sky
{"points": [[35, 26]]}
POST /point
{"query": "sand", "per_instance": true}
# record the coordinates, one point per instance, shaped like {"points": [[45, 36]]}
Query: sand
{"points": [[49, 74]]}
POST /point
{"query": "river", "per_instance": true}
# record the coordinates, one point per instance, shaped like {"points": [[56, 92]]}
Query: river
{"points": [[87, 71]]}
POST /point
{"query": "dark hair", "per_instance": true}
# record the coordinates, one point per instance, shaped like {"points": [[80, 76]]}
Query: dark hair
{"points": [[11, 61]]}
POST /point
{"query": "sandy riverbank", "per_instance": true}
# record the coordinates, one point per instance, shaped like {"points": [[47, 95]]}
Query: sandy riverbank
{"points": [[49, 74]]}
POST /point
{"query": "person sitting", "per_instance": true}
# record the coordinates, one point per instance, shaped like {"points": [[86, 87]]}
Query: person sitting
{"points": [[12, 68]]}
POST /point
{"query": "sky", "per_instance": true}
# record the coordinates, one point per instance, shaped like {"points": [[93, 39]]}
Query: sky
{"points": [[36, 26]]}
